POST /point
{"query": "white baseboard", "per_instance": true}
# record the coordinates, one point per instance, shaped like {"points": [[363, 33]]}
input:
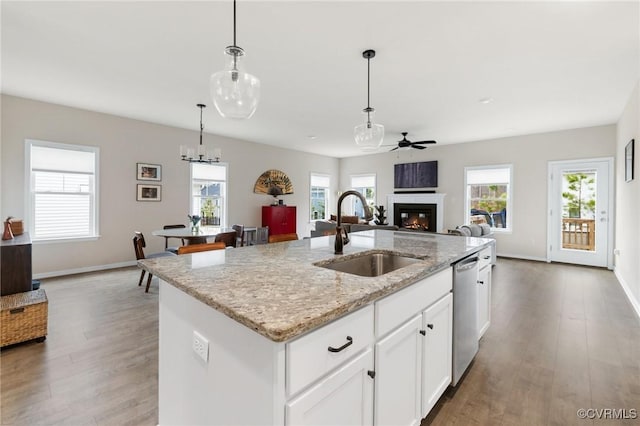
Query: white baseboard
{"points": [[85, 269], [634, 303], [518, 256]]}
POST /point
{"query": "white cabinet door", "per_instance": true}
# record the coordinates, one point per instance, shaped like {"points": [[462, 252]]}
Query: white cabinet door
{"points": [[397, 380], [484, 300], [342, 398], [436, 367]]}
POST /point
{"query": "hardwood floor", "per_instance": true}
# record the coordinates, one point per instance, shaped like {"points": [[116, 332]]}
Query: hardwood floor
{"points": [[561, 338], [99, 364]]}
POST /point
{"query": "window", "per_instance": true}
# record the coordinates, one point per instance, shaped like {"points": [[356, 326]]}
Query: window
{"points": [[366, 185], [488, 196], [209, 194], [319, 197], [62, 190]]}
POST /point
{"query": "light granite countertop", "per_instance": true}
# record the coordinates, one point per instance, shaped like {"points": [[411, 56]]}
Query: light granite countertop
{"points": [[277, 291]]}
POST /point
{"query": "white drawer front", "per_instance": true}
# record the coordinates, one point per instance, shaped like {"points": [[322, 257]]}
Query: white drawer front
{"points": [[402, 305], [484, 257], [308, 358]]}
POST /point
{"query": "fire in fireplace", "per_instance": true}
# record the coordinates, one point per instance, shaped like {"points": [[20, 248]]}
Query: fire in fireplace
{"points": [[421, 217]]}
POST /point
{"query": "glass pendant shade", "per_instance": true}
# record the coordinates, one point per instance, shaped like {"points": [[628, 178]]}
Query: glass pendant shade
{"points": [[235, 93], [369, 135]]}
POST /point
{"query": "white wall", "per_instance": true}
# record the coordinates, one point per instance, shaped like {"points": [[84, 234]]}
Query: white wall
{"points": [[124, 142], [529, 156], [627, 267]]}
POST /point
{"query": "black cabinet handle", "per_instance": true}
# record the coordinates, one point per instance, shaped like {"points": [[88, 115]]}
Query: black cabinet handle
{"points": [[423, 332], [371, 374], [487, 257], [349, 343], [16, 311], [480, 282], [430, 326]]}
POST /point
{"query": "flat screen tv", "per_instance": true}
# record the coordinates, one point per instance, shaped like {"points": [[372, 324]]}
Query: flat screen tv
{"points": [[416, 175]]}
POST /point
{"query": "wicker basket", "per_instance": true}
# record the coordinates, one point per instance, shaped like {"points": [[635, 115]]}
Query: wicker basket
{"points": [[23, 316], [17, 227]]}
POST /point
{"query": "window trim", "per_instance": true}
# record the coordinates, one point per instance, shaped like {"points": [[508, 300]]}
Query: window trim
{"points": [[28, 196], [223, 224], [327, 214], [352, 205], [467, 206]]}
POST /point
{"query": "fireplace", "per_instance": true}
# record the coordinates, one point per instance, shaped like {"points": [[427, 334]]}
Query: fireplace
{"points": [[432, 216], [418, 217]]}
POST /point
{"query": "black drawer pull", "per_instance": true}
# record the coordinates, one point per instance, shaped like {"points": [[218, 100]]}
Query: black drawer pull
{"points": [[480, 282], [349, 343], [423, 332], [487, 257], [16, 311], [430, 326], [371, 374]]}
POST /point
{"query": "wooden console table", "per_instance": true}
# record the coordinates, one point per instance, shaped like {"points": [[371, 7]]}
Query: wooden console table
{"points": [[15, 265]]}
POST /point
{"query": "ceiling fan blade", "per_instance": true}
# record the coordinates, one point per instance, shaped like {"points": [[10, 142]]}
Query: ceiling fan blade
{"points": [[393, 149], [418, 147], [423, 142]]}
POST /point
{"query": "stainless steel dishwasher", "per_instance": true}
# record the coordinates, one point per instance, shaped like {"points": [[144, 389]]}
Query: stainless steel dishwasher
{"points": [[465, 312]]}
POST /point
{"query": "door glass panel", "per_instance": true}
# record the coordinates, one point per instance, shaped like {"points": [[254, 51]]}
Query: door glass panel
{"points": [[579, 210]]}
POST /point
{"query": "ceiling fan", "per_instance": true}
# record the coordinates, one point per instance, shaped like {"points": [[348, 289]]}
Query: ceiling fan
{"points": [[405, 143]]}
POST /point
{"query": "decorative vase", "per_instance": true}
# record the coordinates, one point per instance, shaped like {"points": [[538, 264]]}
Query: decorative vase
{"points": [[7, 235], [195, 227]]}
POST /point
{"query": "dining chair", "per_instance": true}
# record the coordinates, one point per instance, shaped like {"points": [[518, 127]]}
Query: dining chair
{"points": [[196, 240], [240, 231], [173, 250], [282, 237], [194, 248], [229, 238], [262, 235], [138, 245]]}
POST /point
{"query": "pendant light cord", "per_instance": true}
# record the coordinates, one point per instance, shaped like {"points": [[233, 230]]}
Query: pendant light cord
{"points": [[201, 126], [368, 91], [234, 24]]}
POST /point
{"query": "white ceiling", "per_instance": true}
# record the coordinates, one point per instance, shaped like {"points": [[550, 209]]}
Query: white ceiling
{"points": [[547, 65]]}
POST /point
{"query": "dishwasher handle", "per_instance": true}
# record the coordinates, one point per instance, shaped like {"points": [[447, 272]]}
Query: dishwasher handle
{"points": [[466, 264]]}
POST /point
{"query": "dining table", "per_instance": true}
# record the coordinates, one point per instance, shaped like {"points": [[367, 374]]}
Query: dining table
{"points": [[191, 236]]}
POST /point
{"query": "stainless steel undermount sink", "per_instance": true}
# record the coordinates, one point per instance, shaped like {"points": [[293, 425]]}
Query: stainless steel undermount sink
{"points": [[370, 264]]}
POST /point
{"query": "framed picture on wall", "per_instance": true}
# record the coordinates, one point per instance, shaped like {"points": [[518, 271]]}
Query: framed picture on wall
{"points": [[149, 171], [149, 192], [628, 161]]}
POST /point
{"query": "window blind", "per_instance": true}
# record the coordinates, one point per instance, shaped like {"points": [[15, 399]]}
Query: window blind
{"points": [[62, 191]]}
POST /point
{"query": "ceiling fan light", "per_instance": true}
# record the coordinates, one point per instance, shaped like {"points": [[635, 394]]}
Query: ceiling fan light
{"points": [[235, 93]]}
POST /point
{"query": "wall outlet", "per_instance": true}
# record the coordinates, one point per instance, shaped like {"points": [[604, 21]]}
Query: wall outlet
{"points": [[616, 252], [200, 346]]}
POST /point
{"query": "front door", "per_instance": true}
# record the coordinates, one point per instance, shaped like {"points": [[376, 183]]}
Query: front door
{"points": [[580, 212]]}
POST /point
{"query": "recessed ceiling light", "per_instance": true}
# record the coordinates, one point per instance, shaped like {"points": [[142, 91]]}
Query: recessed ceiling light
{"points": [[312, 137], [485, 100]]}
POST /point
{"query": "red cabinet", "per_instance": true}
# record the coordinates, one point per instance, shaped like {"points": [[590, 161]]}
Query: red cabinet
{"points": [[279, 219]]}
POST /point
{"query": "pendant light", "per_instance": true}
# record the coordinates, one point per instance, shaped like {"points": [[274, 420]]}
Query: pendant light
{"points": [[369, 135], [235, 93], [203, 155]]}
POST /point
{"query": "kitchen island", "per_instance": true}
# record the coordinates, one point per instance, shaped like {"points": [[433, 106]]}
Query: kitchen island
{"points": [[240, 329]]}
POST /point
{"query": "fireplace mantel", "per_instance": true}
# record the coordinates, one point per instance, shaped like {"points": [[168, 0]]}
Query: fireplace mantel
{"points": [[437, 199]]}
